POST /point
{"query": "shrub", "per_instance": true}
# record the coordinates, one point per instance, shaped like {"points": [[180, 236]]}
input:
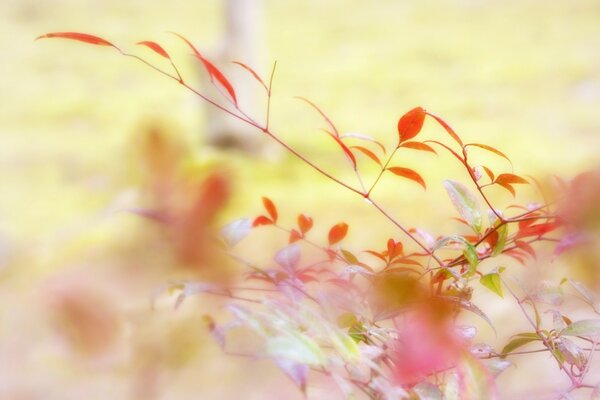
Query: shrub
{"points": [[385, 323]]}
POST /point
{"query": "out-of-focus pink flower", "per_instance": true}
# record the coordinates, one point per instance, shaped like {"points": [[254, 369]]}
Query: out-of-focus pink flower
{"points": [[424, 347]]}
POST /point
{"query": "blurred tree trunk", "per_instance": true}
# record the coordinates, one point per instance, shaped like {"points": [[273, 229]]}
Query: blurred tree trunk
{"points": [[243, 41]]}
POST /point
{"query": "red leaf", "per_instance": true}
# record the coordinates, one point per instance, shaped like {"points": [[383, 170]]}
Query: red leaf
{"points": [[271, 209], [507, 180], [409, 174], [304, 223], [471, 238], [337, 233], [82, 37], [440, 276], [446, 127], [368, 153], [294, 236], [213, 71], [345, 148], [489, 173], [516, 256], [491, 149], [155, 47], [492, 239], [462, 221], [527, 222], [261, 220], [254, 74], [306, 278], [447, 148], [330, 254], [405, 260], [344, 284], [510, 179], [376, 254], [325, 117], [410, 124], [394, 249], [526, 247], [508, 187], [418, 146], [536, 230]]}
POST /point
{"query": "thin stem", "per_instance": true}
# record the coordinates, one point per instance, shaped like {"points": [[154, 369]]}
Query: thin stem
{"points": [[360, 181], [474, 179], [539, 333], [307, 241], [406, 232], [382, 170], [269, 95], [232, 296], [196, 92], [459, 260], [589, 361], [516, 353], [503, 222], [267, 131], [306, 161], [176, 71]]}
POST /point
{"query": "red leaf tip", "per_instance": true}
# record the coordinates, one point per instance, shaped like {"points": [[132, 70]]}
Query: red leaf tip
{"points": [[78, 36]]}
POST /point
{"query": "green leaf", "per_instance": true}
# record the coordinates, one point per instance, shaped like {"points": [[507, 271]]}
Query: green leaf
{"points": [[346, 320], [502, 234], [516, 343], [471, 255], [465, 203], [531, 335], [296, 347], [492, 281], [349, 257], [585, 327], [344, 345], [469, 252], [446, 240], [538, 319]]}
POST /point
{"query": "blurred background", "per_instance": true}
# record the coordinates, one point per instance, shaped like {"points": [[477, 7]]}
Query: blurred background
{"points": [[88, 136]]}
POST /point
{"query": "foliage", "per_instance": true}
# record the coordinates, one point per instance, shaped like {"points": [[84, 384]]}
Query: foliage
{"points": [[386, 322]]}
